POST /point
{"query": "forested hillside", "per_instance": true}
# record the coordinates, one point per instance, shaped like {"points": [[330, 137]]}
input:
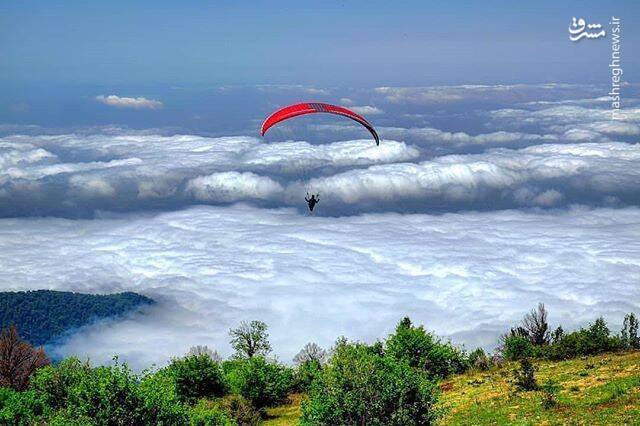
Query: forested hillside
{"points": [[44, 315]]}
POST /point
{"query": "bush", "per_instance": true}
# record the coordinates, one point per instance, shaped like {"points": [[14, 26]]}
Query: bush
{"points": [[549, 391], [306, 373], [197, 376], [359, 385], [239, 409], [158, 391], [421, 350], [207, 413], [516, 347], [590, 341], [478, 359], [19, 408], [263, 382], [107, 395], [524, 377]]}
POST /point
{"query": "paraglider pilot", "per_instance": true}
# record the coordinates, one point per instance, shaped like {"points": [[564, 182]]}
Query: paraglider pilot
{"points": [[315, 199]]}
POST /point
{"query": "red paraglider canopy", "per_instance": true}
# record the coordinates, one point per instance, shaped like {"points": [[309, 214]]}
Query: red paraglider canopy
{"points": [[312, 108]]}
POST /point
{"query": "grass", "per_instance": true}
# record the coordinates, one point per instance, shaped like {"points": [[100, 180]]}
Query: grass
{"points": [[285, 415], [597, 390]]}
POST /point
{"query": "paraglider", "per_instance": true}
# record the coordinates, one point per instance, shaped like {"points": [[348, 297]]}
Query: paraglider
{"points": [[315, 199], [314, 108], [292, 111]]}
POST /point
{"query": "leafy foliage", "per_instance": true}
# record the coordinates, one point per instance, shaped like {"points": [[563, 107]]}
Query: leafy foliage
{"points": [[264, 383], [516, 347], [239, 409], [208, 413], [524, 377], [109, 395], [479, 359], [43, 315], [549, 392], [197, 376], [360, 385], [629, 333], [421, 350], [306, 373], [586, 341], [250, 339]]}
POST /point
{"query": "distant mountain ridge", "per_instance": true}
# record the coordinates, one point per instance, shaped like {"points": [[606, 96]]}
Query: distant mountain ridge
{"points": [[44, 315]]}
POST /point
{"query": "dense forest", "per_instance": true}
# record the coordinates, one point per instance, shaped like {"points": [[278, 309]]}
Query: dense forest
{"points": [[44, 315], [400, 380]]}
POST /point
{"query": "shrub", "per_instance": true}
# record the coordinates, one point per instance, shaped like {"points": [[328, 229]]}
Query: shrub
{"points": [[549, 391], [524, 377], [421, 350], [19, 408], [162, 403], [478, 359], [207, 413], [107, 395], [306, 373], [516, 347], [197, 376], [239, 409], [263, 382], [359, 385], [593, 340]]}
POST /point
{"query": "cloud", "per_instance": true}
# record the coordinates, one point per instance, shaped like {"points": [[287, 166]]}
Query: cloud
{"points": [[469, 275], [233, 186], [125, 102], [140, 171], [483, 93], [575, 173], [367, 110], [146, 172]]}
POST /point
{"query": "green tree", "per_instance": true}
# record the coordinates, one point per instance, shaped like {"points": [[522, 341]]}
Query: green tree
{"points": [[515, 347], [265, 383], [423, 351], [250, 339], [108, 395], [306, 373], [629, 334], [197, 376], [524, 377], [361, 386]]}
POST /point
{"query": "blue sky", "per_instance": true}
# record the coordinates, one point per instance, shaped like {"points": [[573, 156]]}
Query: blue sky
{"points": [[57, 56], [328, 43]]}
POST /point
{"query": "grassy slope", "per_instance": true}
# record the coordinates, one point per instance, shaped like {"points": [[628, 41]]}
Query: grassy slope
{"points": [[598, 390]]}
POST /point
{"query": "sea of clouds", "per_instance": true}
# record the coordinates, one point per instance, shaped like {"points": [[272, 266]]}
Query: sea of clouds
{"points": [[463, 231]]}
